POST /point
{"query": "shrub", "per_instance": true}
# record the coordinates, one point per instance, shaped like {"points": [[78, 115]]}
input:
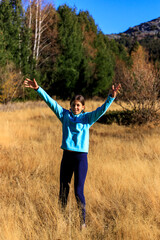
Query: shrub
{"points": [[10, 83], [126, 117]]}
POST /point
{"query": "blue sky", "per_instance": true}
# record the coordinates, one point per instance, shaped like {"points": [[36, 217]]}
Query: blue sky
{"points": [[115, 16]]}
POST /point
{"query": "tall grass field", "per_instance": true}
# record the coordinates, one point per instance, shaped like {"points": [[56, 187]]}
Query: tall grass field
{"points": [[122, 187]]}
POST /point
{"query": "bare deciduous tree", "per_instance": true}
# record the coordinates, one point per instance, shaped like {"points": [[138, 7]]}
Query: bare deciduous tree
{"points": [[42, 20]]}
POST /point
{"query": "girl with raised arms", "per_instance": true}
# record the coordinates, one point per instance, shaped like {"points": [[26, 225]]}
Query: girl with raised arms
{"points": [[75, 141]]}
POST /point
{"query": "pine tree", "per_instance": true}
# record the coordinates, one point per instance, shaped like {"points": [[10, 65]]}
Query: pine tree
{"points": [[66, 72], [104, 67], [87, 67], [5, 26], [4, 55], [14, 31]]}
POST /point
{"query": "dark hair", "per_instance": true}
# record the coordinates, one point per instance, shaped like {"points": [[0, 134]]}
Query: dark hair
{"points": [[79, 98]]}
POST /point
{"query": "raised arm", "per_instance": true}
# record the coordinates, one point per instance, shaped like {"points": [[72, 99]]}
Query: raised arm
{"points": [[99, 112], [56, 108]]}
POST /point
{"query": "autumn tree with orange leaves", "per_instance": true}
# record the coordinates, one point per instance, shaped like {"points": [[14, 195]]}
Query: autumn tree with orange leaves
{"points": [[10, 83], [140, 86]]}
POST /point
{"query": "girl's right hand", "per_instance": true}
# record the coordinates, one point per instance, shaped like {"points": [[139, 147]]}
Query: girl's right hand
{"points": [[115, 90], [31, 84]]}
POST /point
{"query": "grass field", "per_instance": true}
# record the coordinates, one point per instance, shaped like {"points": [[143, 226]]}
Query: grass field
{"points": [[122, 187]]}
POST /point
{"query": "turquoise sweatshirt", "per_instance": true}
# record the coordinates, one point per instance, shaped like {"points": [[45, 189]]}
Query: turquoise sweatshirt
{"points": [[75, 128]]}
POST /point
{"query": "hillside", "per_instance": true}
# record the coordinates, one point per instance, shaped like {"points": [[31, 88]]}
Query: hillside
{"points": [[147, 34], [146, 29], [151, 28]]}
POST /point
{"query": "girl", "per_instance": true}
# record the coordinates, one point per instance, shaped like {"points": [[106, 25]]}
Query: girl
{"points": [[75, 141]]}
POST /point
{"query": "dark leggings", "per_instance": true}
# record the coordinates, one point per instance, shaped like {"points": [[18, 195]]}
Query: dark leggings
{"points": [[73, 162]]}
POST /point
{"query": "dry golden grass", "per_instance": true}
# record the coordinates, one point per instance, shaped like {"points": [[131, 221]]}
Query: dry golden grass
{"points": [[122, 188]]}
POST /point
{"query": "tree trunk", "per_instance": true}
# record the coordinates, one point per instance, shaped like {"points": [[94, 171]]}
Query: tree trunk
{"points": [[39, 31], [36, 30], [30, 14]]}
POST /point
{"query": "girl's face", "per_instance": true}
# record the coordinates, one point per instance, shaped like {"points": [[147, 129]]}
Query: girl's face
{"points": [[77, 107]]}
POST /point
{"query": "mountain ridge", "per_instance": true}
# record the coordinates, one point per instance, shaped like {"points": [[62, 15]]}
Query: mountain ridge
{"points": [[150, 28]]}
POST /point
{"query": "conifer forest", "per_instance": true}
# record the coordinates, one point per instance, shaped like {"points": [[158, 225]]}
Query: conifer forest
{"points": [[67, 53]]}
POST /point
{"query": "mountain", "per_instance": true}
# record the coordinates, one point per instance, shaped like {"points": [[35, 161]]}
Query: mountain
{"points": [[146, 29], [147, 34]]}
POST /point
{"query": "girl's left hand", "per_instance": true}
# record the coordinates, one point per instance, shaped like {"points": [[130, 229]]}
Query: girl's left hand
{"points": [[115, 90]]}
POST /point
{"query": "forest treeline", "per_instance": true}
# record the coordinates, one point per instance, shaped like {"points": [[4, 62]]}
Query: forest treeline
{"points": [[64, 50], [67, 53]]}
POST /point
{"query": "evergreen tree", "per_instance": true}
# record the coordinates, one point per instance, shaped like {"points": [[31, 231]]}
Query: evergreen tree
{"points": [[87, 23], [5, 25], [104, 67], [4, 55], [15, 35], [118, 49], [89, 35], [66, 71]]}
